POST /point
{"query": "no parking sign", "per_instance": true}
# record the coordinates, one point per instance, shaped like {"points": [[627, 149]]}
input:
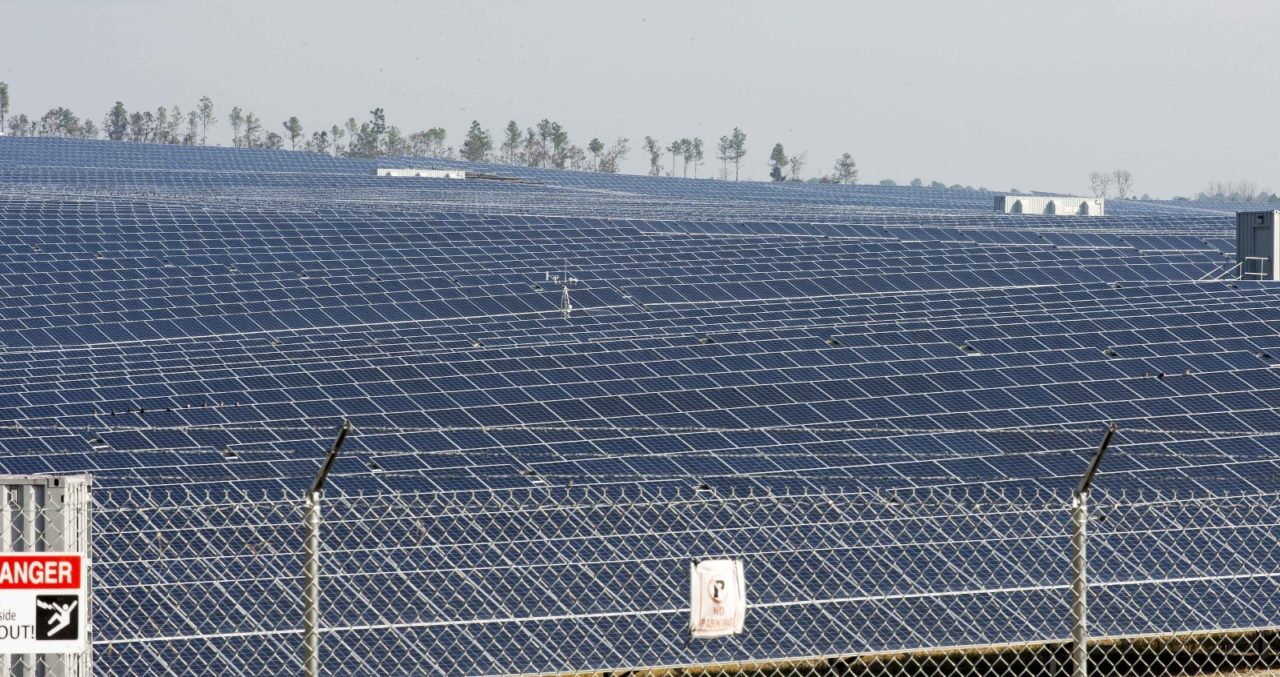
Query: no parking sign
{"points": [[717, 598]]}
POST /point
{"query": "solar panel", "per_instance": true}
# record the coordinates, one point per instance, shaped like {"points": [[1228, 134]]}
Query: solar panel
{"points": [[192, 317]]}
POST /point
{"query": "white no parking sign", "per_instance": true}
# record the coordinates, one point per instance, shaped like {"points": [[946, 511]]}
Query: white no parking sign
{"points": [[717, 598], [43, 599]]}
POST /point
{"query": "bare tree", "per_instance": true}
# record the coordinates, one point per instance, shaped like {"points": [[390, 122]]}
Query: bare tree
{"points": [[193, 129], [1100, 183], [1124, 182], [175, 124], [676, 149], [160, 131], [654, 149], [252, 128], [237, 121], [613, 156], [797, 163], [738, 146], [335, 135], [19, 125], [846, 169], [353, 133], [724, 153], [576, 158]]}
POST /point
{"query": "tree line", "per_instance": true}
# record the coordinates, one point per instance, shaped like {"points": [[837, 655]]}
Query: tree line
{"points": [[546, 144], [1235, 191], [1244, 190]]}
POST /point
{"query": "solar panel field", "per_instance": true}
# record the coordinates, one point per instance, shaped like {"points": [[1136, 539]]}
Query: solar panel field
{"points": [[879, 398]]}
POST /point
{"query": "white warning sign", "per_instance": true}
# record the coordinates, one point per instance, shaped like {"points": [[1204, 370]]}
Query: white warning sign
{"points": [[43, 596], [717, 598]]}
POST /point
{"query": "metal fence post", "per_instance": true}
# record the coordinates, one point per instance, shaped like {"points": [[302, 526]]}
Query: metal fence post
{"points": [[311, 565], [29, 517], [1079, 584], [311, 589], [1080, 561]]}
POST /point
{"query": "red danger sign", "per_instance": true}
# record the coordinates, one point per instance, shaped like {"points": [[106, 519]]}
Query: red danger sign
{"points": [[32, 571], [44, 602]]}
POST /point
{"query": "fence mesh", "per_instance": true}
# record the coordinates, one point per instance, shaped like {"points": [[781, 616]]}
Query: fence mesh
{"points": [[577, 581], [1195, 581]]}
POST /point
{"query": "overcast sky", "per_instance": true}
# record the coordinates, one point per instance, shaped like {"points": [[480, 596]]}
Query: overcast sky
{"points": [[1002, 94]]}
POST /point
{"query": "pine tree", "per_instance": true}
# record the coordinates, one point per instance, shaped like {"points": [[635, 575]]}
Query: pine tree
{"points": [[116, 123], [777, 161], [205, 111], [477, 145], [511, 142], [293, 127]]}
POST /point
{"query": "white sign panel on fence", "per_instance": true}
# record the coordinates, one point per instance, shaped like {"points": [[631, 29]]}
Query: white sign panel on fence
{"points": [[717, 598], [43, 600]]}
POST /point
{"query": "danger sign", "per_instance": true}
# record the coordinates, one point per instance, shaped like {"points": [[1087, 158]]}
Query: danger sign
{"points": [[717, 598], [42, 602]]}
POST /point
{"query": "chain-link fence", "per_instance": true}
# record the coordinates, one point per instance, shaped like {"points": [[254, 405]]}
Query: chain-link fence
{"points": [[597, 581]]}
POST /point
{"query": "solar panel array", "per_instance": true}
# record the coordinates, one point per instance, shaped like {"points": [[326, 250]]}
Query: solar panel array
{"points": [[205, 317]]}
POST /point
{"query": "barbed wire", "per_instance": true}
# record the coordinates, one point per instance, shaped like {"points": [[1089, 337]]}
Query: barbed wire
{"points": [[628, 429]]}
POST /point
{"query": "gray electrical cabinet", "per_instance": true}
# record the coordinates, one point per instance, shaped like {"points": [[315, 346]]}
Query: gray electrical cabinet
{"points": [[1257, 247]]}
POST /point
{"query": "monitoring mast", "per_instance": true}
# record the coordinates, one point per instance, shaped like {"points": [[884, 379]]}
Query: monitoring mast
{"points": [[565, 281]]}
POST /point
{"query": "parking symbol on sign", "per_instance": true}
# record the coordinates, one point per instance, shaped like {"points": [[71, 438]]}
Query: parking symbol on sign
{"points": [[57, 617]]}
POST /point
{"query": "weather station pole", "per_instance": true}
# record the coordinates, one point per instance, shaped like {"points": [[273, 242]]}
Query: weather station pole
{"points": [[1080, 563], [311, 566]]}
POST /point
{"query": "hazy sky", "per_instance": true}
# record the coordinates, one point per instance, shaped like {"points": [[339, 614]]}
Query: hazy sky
{"points": [[1002, 94]]}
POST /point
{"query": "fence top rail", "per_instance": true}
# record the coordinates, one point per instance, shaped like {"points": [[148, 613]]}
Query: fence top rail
{"points": [[975, 497]]}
